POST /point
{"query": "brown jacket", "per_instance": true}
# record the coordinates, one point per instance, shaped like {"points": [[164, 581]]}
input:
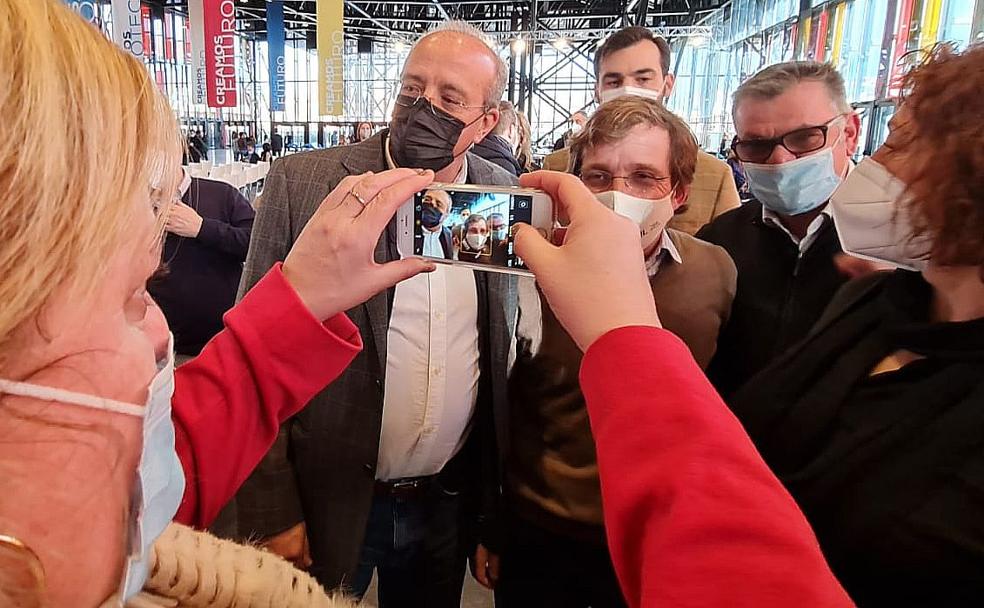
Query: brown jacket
{"points": [[712, 193], [552, 470]]}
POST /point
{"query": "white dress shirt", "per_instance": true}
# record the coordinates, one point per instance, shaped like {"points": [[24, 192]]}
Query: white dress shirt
{"points": [[667, 250], [432, 243], [771, 217], [432, 371]]}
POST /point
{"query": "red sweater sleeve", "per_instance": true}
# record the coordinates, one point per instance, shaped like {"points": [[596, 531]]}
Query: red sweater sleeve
{"points": [[694, 516], [272, 357]]}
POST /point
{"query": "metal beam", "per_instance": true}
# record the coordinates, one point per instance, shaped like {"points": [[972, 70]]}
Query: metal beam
{"points": [[441, 9]]}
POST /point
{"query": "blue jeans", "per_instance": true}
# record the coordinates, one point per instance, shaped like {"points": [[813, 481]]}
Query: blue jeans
{"points": [[415, 546]]}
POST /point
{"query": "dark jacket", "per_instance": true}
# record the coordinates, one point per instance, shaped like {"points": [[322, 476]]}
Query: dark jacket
{"points": [[495, 149], [277, 143], [887, 468], [203, 273], [322, 468], [780, 293]]}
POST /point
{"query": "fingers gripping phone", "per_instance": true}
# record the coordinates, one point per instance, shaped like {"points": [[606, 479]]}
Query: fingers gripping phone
{"points": [[472, 225]]}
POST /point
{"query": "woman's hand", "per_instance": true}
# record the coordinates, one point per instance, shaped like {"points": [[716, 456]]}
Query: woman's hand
{"points": [[331, 265], [596, 280]]}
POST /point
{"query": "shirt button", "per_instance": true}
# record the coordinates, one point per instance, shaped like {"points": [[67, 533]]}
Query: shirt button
{"points": [[439, 315], [436, 371], [369, 467]]}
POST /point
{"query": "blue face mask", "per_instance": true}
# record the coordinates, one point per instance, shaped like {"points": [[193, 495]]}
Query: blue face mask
{"points": [[795, 187], [159, 482]]}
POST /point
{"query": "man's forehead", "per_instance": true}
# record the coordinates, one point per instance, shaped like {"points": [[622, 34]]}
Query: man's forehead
{"points": [[805, 104], [643, 55]]}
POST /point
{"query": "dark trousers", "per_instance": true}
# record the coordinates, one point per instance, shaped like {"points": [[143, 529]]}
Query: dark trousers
{"points": [[547, 570], [414, 544]]}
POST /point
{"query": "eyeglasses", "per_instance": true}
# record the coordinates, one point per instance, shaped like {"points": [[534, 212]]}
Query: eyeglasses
{"points": [[798, 142], [640, 183], [410, 94]]}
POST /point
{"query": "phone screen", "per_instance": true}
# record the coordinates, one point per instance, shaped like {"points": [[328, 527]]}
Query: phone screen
{"points": [[475, 227]]}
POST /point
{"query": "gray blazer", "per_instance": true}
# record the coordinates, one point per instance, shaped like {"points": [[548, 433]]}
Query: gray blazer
{"points": [[322, 467]]}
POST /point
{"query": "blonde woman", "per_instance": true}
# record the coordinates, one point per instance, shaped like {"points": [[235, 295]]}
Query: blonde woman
{"points": [[524, 152], [96, 456]]}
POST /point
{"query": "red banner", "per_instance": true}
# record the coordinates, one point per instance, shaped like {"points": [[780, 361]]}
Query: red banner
{"points": [[220, 56]]}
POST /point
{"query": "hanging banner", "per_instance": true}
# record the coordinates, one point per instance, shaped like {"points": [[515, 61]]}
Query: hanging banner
{"points": [[275, 44], [196, 30], [128, 27], [331, 45], [220, 52]]}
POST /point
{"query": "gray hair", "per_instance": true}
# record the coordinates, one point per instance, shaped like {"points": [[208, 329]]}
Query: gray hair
{"points": [[507, 118], [775, 80], [464, 28]]}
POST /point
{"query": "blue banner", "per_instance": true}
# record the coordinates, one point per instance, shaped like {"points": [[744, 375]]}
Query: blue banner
{"points": [[275, 42]]}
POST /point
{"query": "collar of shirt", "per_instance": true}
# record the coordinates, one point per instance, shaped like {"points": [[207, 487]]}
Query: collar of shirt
{"points": [[462, 177], [666, 249], [772, 218]]}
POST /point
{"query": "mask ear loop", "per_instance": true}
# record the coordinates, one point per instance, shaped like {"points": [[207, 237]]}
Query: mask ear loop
{"points": [[24, 578]]}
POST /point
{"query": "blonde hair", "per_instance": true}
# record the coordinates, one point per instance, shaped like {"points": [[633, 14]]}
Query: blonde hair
{"points": [[93, 137], [93, 134], [525, 156]]}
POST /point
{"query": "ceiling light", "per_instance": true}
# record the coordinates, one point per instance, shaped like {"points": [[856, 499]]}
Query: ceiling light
{"points": [[519, 46], [561, 43], [698, 41]]}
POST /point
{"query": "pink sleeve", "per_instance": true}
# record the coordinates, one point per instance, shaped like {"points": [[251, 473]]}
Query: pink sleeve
{"points": [[272, 357], [693, 514]]}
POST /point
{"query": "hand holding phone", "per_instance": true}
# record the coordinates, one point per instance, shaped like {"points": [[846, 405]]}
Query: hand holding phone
{"points": [[596, 280], [473, 225]]}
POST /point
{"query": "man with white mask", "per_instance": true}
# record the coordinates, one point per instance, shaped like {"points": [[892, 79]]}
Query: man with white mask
{"points": [[796, 135], [634, 61], [638, 158]]}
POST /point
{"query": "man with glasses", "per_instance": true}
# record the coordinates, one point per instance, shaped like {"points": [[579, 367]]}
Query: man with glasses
{"points": [[634, 61], [638, 158], [380, 472], [795, 137]]}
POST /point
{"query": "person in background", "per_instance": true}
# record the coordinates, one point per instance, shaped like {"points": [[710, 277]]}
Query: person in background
{"points": [[267, 155], [363, 131], [396, 492], [436, 205], [499, 233], [500, 145], [276, 143], [576, 123], [192, 154], [525, 150], [241, 147], [198, 143], [634, 61], [874, 421], [207, 239], [638, 158], [796, 134], [693, 515], [475, 246]]}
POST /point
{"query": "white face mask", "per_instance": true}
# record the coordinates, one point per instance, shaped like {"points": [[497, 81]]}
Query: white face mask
{"points": [[159, 482], [476, 241], [871, 220], [610, 94], [650, 215]]}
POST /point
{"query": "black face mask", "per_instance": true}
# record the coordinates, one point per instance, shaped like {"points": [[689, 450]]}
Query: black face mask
{"points": [[423, 136], [430, 216]]}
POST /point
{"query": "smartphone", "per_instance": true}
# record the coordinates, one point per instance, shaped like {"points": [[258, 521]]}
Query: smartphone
{"points": [[473, 225]]}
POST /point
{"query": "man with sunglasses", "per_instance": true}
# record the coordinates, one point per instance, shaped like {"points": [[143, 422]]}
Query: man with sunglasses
{"points": [[638, 158], [380, 472], [796, 134]]}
